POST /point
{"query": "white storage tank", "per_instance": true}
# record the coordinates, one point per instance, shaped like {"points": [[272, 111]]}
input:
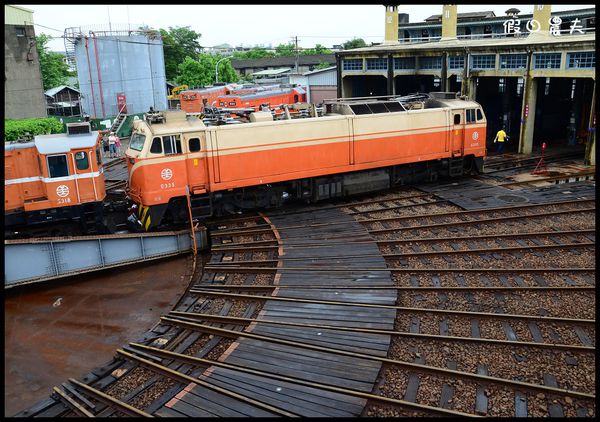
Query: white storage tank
{"points": [[118, 69]]}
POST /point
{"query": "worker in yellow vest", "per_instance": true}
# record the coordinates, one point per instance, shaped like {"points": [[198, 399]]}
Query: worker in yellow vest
{"points": [[501, 138]]}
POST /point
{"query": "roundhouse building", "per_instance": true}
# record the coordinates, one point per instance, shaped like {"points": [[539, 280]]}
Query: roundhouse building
{"points": [[538, 82]]}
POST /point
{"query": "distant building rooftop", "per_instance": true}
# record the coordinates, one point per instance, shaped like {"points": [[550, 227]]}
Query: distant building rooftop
{"points": [[465, 16], [272, 72]]}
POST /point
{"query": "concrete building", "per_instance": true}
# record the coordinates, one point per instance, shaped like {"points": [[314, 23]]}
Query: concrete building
{"points": [[118, 67], [485, 24], [540, 85], [306, 63], [23, 89]]}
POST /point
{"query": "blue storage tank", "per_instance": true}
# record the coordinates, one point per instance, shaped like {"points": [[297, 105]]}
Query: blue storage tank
{"points": [[118, 67]]}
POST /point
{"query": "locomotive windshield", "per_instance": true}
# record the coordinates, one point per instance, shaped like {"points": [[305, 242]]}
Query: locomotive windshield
{"points": [[137, 141]]}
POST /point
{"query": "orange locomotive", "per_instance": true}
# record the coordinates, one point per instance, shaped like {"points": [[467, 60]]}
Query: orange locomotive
{"points": [[359, 145], [55, 178], [271, 98], [193, 100]]}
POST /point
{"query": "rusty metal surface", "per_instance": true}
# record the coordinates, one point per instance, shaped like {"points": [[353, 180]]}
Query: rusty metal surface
{"points": [[65, 329]]}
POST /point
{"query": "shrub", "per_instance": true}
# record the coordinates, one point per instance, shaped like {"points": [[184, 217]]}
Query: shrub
{"points": [[16, 129]]}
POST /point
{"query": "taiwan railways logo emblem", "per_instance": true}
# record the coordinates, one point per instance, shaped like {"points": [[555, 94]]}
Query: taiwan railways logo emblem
{"points": [[166, 174], [62, 191], [475, 136]]}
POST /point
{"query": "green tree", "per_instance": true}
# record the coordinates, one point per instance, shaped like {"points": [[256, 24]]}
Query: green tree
{"points": [[179, 43], [322, 66], [255, 53], [354, 43], [201, 72], [284, 50], [52, 65]]}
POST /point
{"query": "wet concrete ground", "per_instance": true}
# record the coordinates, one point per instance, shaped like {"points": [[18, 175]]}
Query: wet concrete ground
{"points": [[65, 328]]}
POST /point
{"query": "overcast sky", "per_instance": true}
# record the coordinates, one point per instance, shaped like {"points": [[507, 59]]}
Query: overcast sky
{"points": [[249, 25]]}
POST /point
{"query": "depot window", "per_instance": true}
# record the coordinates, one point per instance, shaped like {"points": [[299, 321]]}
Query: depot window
{"points": [[430, 62], [402, 63], [81, 160], [57, 166], [20, 31], [513, 61], [171, 144], [483, 61], [352, 64], [456, 62], [377, 64], [546, 61], [581, 60]]}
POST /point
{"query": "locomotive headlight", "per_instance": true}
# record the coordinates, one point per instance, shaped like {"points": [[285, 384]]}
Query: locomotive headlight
{"points": [[131, 161]]}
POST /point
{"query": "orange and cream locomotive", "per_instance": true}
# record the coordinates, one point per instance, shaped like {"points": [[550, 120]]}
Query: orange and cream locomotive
{"points": [[55, 178], [271, 98], [358, 145]]}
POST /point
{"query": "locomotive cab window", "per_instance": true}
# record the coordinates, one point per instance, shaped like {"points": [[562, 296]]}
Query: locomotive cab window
{"points": [[137, 141], [171, 144], [194, 144], [457, 119], [81, 160], [156, 147], [57, 166], [98, 157], [479, 114], [470, 115]]}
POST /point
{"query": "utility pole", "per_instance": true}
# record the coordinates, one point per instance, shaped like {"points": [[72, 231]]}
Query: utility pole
{"points": [[296, 37]]}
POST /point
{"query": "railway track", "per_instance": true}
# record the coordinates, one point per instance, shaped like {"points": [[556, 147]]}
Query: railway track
{"points": [[496, 166], [401, 305]]}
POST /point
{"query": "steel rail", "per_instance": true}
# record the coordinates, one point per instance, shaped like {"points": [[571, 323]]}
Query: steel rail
{"points": [[328, 387], [328, 269], [414, 366], [582, 174], [79, 409], [328, 207], [447, 214], [193, 316], [111, 401], [351, 204], [483, 220], [530, 160], [396, 207], [183, 377], [412, 254], [471, 212], [398, 308], [402, 288], [267, 244]]}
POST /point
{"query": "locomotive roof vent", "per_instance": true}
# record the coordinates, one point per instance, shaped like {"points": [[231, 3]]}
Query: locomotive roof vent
{"points": [[79, 128]]}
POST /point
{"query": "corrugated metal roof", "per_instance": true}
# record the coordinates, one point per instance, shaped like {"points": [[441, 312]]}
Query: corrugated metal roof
{"points": [[270, 72], [53, 91], [327, 69], [61, 142]]}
